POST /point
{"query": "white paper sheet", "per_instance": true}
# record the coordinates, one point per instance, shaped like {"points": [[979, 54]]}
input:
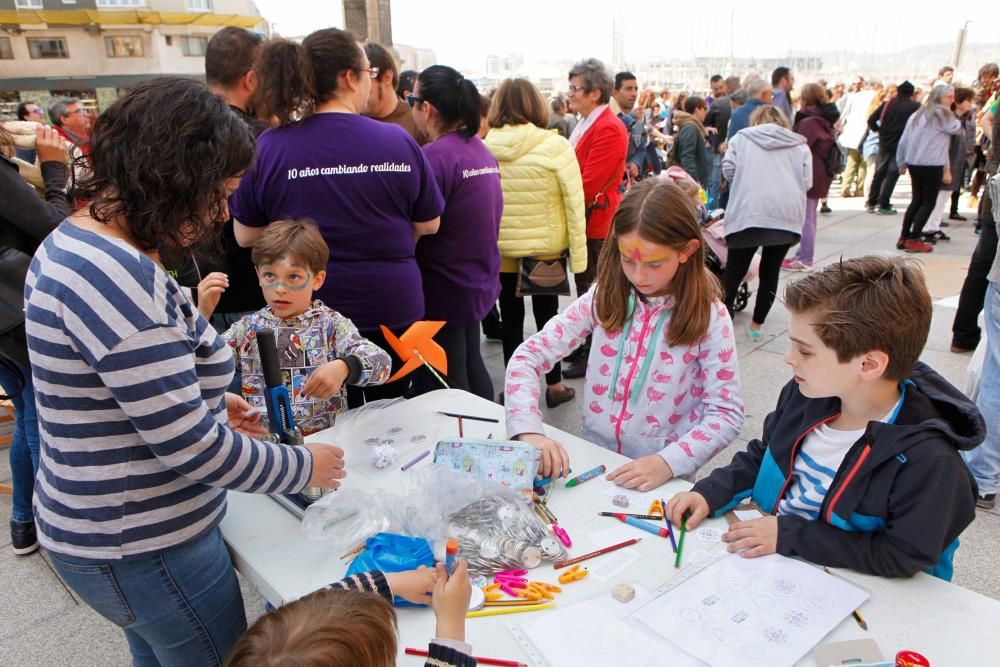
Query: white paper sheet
{"points": [[607, 567], [596, 634], [747, 515], [767, 611]]}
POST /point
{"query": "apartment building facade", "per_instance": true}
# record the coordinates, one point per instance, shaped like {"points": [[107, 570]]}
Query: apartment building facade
{"points": [[95, 49]]}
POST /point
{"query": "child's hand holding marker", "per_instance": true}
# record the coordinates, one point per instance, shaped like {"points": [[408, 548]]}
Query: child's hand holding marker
{"points": [[688, 503]]}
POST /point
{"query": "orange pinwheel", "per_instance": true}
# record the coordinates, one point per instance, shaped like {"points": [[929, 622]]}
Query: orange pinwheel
{"points": [[415, 347]]}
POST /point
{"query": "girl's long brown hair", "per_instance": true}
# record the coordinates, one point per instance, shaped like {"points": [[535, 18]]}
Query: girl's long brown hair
{"points": [[662, 213]]}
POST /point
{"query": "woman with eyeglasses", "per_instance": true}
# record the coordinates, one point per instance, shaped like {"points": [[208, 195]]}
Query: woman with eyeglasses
{"points": [[461, 263], [367, 185]]}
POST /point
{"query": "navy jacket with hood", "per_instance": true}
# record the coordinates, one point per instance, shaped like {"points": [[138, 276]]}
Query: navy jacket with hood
{"points": [[901, 496]]}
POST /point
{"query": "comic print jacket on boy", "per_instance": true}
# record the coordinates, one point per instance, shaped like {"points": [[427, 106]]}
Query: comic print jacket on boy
{"points": [[642, 396], [899, 500]]}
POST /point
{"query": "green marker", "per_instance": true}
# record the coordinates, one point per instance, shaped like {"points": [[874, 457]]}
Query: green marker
{"points": [[680, 542], [590, 474]]}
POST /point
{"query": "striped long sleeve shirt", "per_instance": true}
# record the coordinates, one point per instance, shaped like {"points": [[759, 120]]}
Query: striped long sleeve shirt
{"points": [[130, 381]]}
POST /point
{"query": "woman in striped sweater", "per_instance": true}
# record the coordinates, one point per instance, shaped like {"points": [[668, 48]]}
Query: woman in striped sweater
{"points": [[139, 439]]}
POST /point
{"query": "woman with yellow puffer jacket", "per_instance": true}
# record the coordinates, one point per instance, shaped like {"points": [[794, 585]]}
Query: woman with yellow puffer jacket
{"points": [[543, 213]]}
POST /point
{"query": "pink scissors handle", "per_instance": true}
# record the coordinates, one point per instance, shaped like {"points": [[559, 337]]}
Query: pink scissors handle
{"points": [[562, 535]]}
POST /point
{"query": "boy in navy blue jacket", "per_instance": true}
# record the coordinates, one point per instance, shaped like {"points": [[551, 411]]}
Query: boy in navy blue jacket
{"points": [[859, 465]]}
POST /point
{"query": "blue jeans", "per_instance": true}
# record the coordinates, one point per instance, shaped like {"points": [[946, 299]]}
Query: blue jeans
{"points": [[24, 445], [984, 460], [713, 182], [180, 607]]}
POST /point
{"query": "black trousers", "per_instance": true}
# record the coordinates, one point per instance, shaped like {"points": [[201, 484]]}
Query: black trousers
{"points": [[965, 329], [466, 369], [544, 309], [737, 265], [884, 181], [926, 183], [358, 396], [586, 279]]}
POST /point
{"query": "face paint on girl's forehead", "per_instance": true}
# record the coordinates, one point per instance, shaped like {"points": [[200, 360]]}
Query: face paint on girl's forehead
{"points": [[642, 251]]}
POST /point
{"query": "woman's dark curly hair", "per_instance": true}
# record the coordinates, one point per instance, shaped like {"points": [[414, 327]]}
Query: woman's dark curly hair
{"points": [[161, 157]]}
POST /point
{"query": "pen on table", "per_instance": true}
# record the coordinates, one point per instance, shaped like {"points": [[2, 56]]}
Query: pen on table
{"points": [[858, 618], [670, 528], [496, 611], [648, 517], [481, 661], [457, 415], [680, 541], [416, 460], [642, 525], [595, 554], [590, 474]]}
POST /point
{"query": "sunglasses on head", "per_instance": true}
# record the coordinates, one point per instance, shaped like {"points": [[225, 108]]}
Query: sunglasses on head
{"points": [[413, 100]]}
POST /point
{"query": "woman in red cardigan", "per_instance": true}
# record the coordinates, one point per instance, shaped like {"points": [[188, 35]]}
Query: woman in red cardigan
{"points": [[601, 145]]}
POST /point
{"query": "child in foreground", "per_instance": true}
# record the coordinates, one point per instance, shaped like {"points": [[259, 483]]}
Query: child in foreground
{"points": [[662, 383], [858, 466], [319, 349], [352, 623]]}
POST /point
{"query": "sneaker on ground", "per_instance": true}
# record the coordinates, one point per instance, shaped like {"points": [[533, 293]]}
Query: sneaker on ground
{"points": [[916, 245], [945, 223], [870, 209], [986, 502], [825, 209], [887, 211], [23, 537], [958, 349], [901, 244], [956, 216], [928, 237], [796, 264]]}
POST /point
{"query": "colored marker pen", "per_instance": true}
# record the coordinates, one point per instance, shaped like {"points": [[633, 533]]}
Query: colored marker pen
{"points": [[643, 525], [590, 474], [451, 556]]}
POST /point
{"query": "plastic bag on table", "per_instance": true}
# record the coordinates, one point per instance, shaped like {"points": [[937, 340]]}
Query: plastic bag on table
{"points": [[393, 553], [347, 517]]}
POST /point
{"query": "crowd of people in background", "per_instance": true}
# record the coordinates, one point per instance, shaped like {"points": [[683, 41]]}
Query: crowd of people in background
{"points": [[426, 199]]}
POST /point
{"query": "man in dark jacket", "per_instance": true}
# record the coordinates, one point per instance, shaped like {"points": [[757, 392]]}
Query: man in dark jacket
{"points": [[718, 118], [889, 121], [859, 463]]}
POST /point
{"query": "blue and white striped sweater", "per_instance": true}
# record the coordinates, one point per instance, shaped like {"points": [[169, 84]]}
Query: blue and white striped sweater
{"points": [[130, 383]]}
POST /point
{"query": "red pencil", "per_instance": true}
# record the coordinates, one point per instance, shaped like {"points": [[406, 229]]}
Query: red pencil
{"points": [[595, 554], [481, 661]]}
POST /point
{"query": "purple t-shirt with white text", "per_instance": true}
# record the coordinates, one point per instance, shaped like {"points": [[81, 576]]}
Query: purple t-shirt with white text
{"points": [[364, 183], [461, 263]]}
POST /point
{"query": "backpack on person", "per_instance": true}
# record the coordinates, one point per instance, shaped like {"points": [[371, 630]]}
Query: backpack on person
{"points": [[836, 159]]}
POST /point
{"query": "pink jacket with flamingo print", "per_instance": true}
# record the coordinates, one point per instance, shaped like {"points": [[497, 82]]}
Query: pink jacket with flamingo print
{"points": [[642, 396]]}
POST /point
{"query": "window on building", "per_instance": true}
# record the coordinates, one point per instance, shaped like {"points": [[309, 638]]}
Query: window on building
{"points": [[28, 4], [198, 5], [116, 4], [194, 46], [123, 47], [47, 47], [6, 53]]}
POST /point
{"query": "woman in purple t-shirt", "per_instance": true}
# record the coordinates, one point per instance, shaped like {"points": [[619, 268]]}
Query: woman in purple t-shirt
{"points": [[460, 265], [367, 185]]}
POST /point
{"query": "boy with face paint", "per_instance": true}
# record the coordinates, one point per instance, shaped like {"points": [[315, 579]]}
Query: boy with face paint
{"points": [[318, 346]]}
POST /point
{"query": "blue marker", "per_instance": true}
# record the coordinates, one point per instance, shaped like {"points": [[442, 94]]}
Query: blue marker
{"points": [[451, 556], [590, 474], [642, 525]]}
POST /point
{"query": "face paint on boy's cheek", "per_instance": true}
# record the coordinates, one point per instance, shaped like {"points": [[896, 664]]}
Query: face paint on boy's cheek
{"points": [[638, 251]]}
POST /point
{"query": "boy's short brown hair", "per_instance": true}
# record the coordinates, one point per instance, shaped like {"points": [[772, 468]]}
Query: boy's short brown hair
{"points": [[298, 240], [328, 628], [868, 303]]}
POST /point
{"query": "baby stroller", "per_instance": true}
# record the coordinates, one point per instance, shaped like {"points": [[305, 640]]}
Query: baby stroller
{"points": [[713, 230], [715, 257]]}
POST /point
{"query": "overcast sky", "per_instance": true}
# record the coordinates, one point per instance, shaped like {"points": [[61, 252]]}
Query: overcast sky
{"points": [[464, 33]]}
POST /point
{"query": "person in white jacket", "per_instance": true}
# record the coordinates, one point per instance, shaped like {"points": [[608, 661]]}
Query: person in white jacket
{"points": [[854, 117], [769, 168]]}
